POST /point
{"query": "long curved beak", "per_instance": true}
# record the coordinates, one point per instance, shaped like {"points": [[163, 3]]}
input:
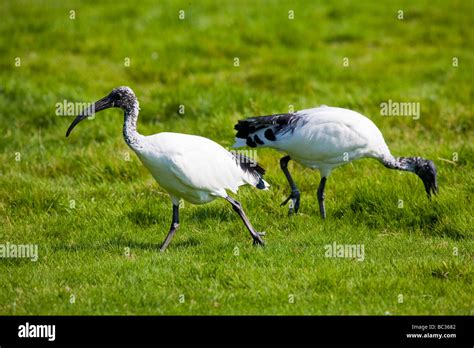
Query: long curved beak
{"points": [[430, 180], [99, 105], [431, 186]]}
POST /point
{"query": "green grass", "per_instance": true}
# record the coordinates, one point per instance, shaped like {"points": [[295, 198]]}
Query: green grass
{"points": [[408, 251]]}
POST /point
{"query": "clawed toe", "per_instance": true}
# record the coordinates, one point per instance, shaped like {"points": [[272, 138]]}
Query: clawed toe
{"points": [[295, 202], [257, 240]]}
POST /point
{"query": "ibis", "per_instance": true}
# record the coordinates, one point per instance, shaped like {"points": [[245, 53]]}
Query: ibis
{"points": [[188, 167], [324, 138]]}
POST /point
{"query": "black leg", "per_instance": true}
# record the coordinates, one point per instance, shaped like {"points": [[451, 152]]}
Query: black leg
{"points": [[321, 196], [257, 236], [295, 193], [173, 228]]}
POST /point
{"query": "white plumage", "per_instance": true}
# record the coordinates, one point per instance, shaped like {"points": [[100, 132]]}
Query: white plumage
{"points": [[192, 168], [324, 138], [188, 167]]}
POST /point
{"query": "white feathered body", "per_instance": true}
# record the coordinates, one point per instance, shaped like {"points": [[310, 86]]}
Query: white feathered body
{"points": [[192, 168], [326, 137]]}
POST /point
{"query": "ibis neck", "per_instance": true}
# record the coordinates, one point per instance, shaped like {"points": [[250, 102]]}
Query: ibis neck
{"points": [[130, 134], [400, 163]]}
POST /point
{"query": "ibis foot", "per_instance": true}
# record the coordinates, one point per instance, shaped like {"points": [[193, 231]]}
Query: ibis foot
{"points": [[257, 240], [295, 202]]}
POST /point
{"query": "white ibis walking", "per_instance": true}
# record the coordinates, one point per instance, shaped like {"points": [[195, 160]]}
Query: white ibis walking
{"points": [[324, 138], [188, 167]]}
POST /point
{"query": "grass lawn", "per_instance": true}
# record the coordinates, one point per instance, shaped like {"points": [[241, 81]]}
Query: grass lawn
{"points": [[98, 217]]}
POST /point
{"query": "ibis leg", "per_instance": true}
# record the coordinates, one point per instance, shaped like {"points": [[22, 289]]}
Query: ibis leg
{"points": [[321, 196], [295, 193], [173, 228], [257, 236]]}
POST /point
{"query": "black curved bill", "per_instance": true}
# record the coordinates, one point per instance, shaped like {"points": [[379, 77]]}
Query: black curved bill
{"points": [[99, 105], [434, 186], [431, 182], [431, 188]]}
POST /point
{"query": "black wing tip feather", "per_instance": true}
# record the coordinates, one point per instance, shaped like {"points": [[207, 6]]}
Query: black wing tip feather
{"points": [[261, 185], [249, 165], [250, 125]]}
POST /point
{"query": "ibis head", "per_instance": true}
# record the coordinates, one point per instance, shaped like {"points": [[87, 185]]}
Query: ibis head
{"points": [[426, 171], [120, 97]]}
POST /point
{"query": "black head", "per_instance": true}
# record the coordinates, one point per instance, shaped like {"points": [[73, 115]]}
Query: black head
{"points": [[120, 97], [426, 170]]}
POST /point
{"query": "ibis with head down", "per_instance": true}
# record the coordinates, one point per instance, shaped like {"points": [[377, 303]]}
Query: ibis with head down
{"points": [[188, 167], [324, 138]]}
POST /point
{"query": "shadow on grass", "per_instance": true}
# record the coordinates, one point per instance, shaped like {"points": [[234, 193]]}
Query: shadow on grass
{"points": [[214, 213], [430, 218], [144, 218], [155, 246], [109, 245]]}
